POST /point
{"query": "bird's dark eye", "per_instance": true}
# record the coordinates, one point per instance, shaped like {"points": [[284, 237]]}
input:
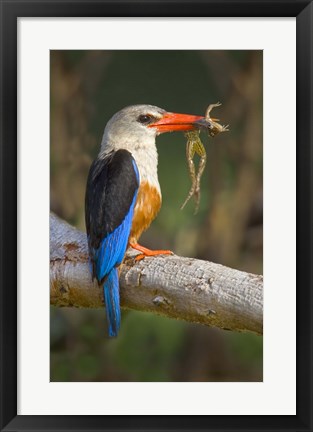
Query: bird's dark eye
{"points": [[145, 118]]}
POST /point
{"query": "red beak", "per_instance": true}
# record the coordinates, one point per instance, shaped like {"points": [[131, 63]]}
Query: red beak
{"points": [[171, 122]]}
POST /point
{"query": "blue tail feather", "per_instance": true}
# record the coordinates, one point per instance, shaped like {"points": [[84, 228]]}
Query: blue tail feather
{"points": [[112, 302]]}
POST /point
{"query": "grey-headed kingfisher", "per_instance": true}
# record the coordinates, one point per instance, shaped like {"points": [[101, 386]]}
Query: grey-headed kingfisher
{"points": [[123, 194]]}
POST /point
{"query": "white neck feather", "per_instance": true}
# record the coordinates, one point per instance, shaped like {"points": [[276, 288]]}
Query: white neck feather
{"points": [[144, 152], [147, 161]]}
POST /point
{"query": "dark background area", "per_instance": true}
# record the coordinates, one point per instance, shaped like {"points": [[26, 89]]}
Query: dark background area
{"points": [[87, 88]]}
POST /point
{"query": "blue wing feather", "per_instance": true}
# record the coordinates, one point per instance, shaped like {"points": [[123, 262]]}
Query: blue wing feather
{"points": [[106, 190], [112, 302], [107, 257], [113, 247]]}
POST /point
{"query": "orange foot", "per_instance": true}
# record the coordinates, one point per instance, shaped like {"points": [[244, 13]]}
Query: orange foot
{"points": [[148, 252]]}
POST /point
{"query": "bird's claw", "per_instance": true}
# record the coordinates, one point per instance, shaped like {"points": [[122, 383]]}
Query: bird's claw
{"points": [[145, 252], [140, 257]]}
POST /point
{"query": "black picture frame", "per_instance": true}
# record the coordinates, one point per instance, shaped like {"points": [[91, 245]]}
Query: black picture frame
{"points": [[10, 11]]}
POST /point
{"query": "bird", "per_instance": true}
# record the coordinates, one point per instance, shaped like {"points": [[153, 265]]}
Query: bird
{"points": [[123, 194]]}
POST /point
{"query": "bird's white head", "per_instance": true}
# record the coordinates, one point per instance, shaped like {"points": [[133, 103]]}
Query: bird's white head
{"points": [[136, 127]]}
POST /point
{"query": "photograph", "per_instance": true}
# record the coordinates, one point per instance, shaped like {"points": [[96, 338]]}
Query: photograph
{"points": [[156, 216]]}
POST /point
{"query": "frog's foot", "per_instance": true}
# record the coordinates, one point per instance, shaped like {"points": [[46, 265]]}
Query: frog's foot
{"points": [[194, 192], [190, 194], [209, 109]]}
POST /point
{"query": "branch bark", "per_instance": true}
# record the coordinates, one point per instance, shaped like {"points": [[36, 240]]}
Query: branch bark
{"points": [[184, 288]]}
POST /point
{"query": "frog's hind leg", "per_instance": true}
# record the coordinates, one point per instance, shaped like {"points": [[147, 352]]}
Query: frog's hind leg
{"points": [[191, 167]]}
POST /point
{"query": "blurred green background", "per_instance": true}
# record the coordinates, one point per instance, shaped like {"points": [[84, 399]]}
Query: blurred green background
{"points": [[87, 88]]}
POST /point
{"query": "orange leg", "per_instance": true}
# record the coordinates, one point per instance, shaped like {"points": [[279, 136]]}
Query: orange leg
{"points": [[148, 252]]}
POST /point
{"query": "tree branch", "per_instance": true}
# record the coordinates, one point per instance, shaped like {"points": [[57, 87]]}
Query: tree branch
{"points": [[177, 287]]}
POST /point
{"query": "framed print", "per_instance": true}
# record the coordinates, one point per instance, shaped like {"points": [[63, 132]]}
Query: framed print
{"points": [[86, 87]]}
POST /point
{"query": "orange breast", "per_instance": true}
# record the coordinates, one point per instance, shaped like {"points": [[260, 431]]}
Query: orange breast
{"points": [[147, 206]]}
